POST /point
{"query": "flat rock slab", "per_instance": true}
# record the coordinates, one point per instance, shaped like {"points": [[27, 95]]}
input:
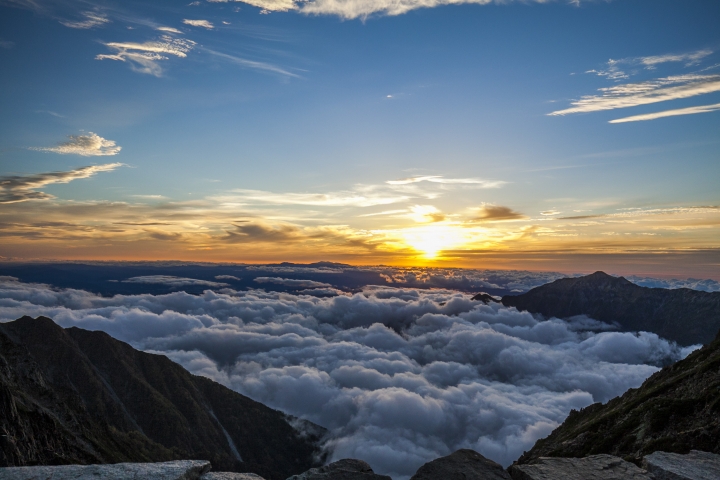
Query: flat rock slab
{"points": [[346, 469], [177, 470], [696, 465], [594, 467], [230, 476], [462, 465]]}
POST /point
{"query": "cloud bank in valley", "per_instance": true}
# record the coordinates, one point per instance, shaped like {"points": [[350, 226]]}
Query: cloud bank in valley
{"points": [[399, 376]]}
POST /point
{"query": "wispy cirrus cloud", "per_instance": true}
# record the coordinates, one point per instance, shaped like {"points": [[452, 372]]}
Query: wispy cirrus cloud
{"points": [[144, 57], [669, 113], [90, 145], [688, 58], [617, 69], [199, 23], [439, 179], [21, 188], [331, 199], [255, 65], [644, 93], [168, 29], [89, 20]]}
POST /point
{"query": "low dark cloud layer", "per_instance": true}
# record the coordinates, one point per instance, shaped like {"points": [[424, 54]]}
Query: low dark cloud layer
{"points": [[399, 376]]}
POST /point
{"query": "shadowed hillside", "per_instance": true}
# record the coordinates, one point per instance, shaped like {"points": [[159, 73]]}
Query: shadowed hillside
{"points": [[676, 410], [76, 396]]}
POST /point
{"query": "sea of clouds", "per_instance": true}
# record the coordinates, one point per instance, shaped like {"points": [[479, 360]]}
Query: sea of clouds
{"points": [[399, 376]]}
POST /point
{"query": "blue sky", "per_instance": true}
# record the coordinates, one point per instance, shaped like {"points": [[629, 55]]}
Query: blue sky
{"points": [[320, 132]]}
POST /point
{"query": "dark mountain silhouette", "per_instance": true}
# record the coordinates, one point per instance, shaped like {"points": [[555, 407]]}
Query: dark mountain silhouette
{"points": [[676, 410], [686, 316], [76, 396]]}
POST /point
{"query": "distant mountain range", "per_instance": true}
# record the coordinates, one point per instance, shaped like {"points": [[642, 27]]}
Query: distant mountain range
{"points": [[76, 396], [688, 317], [676, 410]]}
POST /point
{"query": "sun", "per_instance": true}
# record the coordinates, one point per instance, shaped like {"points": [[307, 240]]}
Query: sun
{"points": [[432, 239]]}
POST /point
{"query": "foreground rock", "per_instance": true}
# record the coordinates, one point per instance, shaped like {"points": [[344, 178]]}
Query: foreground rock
{"points": [[675, 410], [461, 465], [72, 396], [346, 469], [693, 466], [230, 476], [595, 467], [178, 470], [689, 317]]}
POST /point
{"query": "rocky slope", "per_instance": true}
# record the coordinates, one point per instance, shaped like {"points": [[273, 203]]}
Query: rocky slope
{"points": [[686, 316], [71, 396], [676, 410]]}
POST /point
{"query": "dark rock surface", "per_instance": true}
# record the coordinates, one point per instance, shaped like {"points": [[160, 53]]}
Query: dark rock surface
{"points": [[485, 298], [695, 465], [686, 316], [676, 410], [346, 469], [461, 465], [71, 396], [595, 467]]}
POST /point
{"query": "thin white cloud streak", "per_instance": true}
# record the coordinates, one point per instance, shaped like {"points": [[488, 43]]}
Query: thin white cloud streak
{"points": [[199, 23], [645, 93], [168, 29], [688, 58], [334, 199], [613, 70], [21, 188], [172, 281], [144, 57], [292, 282], [669, 113], [439, 179], [91, 20], [243, 62], [90, 145]]}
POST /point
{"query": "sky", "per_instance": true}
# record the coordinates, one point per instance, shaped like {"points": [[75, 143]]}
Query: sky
{"points": [[569, 136]]}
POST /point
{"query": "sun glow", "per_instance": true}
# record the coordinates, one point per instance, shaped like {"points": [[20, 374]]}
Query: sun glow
{"points": [[432, 239]]}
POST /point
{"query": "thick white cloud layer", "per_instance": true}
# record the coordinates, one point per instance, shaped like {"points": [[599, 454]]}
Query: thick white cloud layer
{"points": [[399, 376]]}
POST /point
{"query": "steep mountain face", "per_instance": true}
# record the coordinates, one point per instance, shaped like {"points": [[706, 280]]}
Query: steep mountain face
{"points": [[686, 316], [76, 396], [676, 410]]}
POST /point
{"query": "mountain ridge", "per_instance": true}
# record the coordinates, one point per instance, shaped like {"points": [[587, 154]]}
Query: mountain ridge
{"points": [[686, 316]]}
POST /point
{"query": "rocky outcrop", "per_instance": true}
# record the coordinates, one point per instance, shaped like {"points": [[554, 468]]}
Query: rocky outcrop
{"points": [[71, 396], [461, 465], [178, 470], [676, 410], [346, 469], [595, 467], [485, 298], [694, 466], [688, 317]]}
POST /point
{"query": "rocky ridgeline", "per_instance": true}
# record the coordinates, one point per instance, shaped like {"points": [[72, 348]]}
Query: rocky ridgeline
{"points": [[461, 465]]}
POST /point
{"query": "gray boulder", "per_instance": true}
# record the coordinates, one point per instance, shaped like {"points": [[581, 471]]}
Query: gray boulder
{"points": [[594, 467], [177, 470], [696, 465], [346, 469], [462, 465], [230, 476]]}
